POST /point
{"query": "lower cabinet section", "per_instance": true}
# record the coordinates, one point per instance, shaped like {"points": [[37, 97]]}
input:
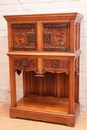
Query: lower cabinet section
{"points": [[49, 109], [46, 98]]}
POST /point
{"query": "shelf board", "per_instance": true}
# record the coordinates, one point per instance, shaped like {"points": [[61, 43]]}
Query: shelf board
{"points": [[45, 104]]}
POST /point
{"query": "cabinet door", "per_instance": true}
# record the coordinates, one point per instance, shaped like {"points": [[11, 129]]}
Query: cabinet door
{"points": [[56, 36], [24, 37]]}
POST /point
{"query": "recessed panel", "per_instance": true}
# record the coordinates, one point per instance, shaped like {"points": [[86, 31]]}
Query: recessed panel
{"points": [[56, 37], [24, 37]]}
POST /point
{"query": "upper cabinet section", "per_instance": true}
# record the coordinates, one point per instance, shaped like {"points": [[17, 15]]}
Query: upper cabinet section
{"points": [[44, 32]]}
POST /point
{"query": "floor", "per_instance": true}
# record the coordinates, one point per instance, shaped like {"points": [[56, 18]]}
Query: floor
{"points": [[7, 123]]}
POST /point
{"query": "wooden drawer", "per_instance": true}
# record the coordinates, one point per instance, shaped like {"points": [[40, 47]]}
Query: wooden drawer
{"points": [[56, 65], [25, 64]]}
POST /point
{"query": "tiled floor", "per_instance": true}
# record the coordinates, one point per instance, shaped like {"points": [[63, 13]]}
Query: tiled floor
{"points": [[7, 123]]}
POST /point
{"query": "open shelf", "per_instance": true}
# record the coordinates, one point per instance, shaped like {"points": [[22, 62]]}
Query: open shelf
{"points": [[45, 108], [45, 104]]}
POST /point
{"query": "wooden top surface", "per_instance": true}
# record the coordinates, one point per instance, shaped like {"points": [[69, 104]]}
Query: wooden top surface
{"points": [[56, 16]]}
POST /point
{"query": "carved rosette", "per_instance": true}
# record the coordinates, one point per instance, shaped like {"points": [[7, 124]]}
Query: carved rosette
{"points": [[56, 65], [25, 64], [56, 37], [24, 37]]}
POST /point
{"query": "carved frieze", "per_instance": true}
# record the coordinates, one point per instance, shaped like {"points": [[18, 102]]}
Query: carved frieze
{"points": [[55, 65], [56, 37], [25, 64], [24, 37]]}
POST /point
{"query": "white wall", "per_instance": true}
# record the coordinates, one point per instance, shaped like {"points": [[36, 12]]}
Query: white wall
{"points": [[33, 7]]}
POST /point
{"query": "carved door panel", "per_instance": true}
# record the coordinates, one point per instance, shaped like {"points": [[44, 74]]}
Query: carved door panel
{"points": [[56, 37], [24, 37]]}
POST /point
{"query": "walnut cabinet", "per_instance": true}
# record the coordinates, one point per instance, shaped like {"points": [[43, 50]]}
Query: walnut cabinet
{"points": [[46, 49]]}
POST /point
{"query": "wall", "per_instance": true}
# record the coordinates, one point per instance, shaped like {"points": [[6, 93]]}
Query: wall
{"points": [[34, 7]]}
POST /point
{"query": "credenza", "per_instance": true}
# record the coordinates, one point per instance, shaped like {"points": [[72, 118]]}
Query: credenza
{"points": [[45, 50]]}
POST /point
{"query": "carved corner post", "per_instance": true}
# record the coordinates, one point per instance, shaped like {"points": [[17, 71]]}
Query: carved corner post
{"points": [[9, 39], [24, 84], [77, 61], [12, 82], [72, 36], [71, 86]]}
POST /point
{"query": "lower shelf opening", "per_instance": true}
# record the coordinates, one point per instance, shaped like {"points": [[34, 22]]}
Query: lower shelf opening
{"points": [[45, 104]]}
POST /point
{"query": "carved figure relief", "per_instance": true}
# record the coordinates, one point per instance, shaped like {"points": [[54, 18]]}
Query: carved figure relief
{"points": [[24, 37], [55, 65], [56, 37], [25, 64]]}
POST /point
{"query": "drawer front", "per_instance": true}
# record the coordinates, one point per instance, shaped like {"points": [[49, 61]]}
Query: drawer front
{"points": [[56, 65], [45, 64], [28, 64]]}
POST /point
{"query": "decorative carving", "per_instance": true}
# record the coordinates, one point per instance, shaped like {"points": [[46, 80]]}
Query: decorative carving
{"points": [[19, 26], [77, 36], [24, 37], [25, 64], [63, 64], [31, 38], [47, 38], [58, 25], [76, 66], [56, 65], [56, 37]]}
